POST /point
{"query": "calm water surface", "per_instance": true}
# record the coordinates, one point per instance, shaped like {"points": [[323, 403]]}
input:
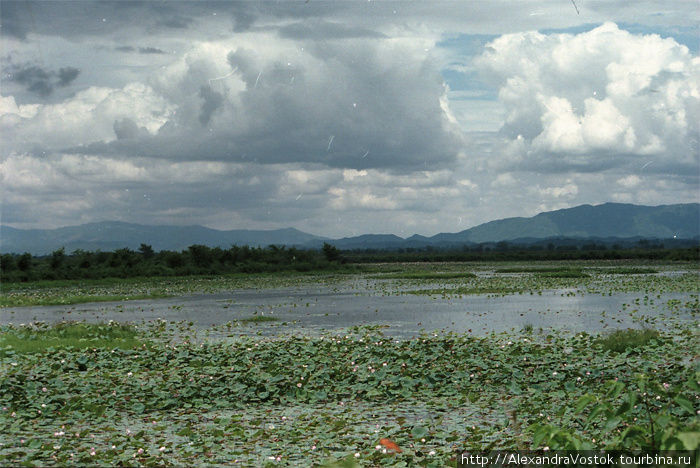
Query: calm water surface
{"points": [[312, 310]]}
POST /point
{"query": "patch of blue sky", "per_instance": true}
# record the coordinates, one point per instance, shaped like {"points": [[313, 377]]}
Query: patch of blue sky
{"points": [[581, 28], [459, 74], [469, 81], [689, 36], [471, 44]]}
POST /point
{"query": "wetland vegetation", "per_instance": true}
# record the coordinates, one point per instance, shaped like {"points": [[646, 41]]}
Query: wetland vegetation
{"points": [[443, 278], [159, 393], [289, 401]]}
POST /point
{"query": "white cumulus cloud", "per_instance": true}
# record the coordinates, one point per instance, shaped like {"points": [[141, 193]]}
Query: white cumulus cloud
{"points": [[597, 99]]}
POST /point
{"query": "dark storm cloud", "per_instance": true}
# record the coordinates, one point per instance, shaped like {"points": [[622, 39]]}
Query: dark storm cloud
{"points": [[81, 18], [324, 30], [67, 75], [42, 81], [374, 104], [34, 78], [140, 50], [176, 21], [84, 18], [150, 50], [212, 101], [242, 20], [126, 129]]}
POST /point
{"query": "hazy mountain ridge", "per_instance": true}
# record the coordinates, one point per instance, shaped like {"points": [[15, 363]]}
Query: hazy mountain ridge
{"points": [[606, 221], [600, 221], [110, 235]]}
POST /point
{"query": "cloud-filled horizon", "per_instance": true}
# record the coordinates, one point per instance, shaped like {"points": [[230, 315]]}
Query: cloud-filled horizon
{"points": [[343, 118]]}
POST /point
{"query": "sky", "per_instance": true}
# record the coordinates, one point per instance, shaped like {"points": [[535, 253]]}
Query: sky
{"points": [[341, 118]]}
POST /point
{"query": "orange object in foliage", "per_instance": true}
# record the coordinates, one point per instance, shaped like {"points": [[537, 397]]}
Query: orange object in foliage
{"points": [[390, 445]]}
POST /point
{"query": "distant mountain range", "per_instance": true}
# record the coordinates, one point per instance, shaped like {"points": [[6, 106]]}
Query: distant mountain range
{"points": [[606, 221], [111, 235]]}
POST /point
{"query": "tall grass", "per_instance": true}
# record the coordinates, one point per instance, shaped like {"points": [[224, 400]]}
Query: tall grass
{"points": [[75, 335], [624, 340]]}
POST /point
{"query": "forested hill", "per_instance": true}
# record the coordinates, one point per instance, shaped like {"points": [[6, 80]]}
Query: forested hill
{"points": [[602, 221]]}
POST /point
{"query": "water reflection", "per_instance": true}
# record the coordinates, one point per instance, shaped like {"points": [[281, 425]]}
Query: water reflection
{"points": [[312, 310]]}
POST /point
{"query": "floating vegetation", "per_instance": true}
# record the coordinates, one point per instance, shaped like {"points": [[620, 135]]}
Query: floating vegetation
{"points": [[258, 319], [579, 277], [293, 401], [117, 289], [569, 273], [525, 269], [629, 271], [429, 275]]}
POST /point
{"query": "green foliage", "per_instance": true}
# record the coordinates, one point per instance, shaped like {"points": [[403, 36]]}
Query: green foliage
{"points": [[196, 260], [7, 263], [331, 252], [491, 253], [620, 341], [67, 335], [24, 262], [146, 251], [641, 415], [329, 399], [57, 258]]}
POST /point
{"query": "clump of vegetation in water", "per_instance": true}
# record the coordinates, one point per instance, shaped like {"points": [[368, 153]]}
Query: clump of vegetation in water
{"points": [[258, 319], [629, 271], [527, 269], [68, 335], [566, 273], [620, 341]]}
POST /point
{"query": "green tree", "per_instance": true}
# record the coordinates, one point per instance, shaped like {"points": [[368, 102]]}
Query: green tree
{"points": [[57, 258], [24, 263], [201, 255], [146, 251], [331, 252], [7, 263]]}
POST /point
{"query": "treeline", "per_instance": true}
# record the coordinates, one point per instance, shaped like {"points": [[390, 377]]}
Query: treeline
{"points": [[203, 260], [195, 260], [505, 252]]}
